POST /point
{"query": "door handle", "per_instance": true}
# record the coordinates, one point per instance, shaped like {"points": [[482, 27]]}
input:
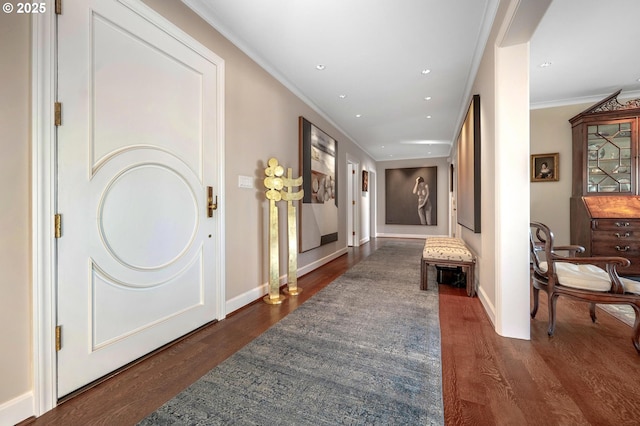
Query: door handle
{"points": [[211, 205]]}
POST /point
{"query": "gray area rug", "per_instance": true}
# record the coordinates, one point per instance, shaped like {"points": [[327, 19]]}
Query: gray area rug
{"points": [[363, 351], [622, 312]]}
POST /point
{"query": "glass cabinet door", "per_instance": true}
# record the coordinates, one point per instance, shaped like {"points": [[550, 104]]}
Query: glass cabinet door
{"points": [[609, 158]]}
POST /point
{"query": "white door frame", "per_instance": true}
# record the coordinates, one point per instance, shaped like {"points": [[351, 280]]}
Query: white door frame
{"points": [[373, 216], [44, 190], [43, 209], [353, 236], [350, 172]]}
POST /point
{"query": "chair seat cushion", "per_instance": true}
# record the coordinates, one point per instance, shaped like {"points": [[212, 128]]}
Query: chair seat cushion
{"points": [[588, 277]]}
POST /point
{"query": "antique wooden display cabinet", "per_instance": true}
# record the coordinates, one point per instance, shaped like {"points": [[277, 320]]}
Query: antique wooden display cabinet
{"points": [[605, 201]]}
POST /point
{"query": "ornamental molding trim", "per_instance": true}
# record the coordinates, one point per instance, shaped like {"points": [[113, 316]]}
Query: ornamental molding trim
{"points": [[612, 104]]}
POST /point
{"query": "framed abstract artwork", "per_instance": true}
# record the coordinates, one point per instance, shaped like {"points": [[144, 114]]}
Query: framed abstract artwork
{"points": [[468, 211], [319, 208]]}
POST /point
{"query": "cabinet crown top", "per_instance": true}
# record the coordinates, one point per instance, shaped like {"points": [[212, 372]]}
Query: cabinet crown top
{"points": [[608, 104]]}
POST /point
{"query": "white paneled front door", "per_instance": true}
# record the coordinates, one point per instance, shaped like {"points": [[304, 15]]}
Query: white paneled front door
{"points": [[137, 148]]}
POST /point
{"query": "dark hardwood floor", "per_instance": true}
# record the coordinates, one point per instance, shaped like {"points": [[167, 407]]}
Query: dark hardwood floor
{"points": [[586, 374]]}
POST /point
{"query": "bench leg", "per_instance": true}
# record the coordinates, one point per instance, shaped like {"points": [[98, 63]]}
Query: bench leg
{"points": [[468, 268], [471, 290], [424, 274]]}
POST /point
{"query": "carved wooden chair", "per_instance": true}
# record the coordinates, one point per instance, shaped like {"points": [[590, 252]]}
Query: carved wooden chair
{"points": [[589, 279]]}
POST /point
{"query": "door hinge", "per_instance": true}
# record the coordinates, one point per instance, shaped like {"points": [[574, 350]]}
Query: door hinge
{"points": [[58, 338], [57, 114], [57, 225], [353, 202], [58, 7], [353, 172], [353, 233]]}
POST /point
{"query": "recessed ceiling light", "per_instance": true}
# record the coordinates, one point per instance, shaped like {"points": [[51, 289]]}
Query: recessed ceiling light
{"points": [[428, 98], [320, 67], [358, 115], [428, 116], [545, 64], [426, 71], [342, 96]]}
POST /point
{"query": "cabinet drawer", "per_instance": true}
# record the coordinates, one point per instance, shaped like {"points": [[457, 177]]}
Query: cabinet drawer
{"points": [[629, 251], [616, 236], [618, 248], [615, 225]]}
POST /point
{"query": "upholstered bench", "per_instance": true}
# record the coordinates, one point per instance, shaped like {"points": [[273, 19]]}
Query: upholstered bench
{"points": [[448, 251]]}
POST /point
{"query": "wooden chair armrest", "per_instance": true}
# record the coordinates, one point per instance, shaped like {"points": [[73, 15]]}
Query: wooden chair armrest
{"points": [[572, 249], [596, 260]]}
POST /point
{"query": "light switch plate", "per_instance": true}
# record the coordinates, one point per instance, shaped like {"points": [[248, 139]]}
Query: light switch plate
{"points": [[245, 182]]}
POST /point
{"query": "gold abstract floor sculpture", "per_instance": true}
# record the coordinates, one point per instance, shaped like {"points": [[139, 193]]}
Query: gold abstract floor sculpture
{"points": [[275, 184], [289, 196]]}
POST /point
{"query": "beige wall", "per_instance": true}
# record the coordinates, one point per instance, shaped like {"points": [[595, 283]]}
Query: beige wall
{"points": [[15, 284], [550, 133], [501, 246], [484, 85]]}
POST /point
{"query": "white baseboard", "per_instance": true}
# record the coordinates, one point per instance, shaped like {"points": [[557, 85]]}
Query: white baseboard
{"points": [[17, 409], [246, 298], [258, 292], [318, 263], [416, 236], [489, 308]]}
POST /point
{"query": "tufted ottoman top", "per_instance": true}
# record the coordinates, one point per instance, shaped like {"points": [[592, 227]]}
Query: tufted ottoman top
{"points": [[447, 248]]}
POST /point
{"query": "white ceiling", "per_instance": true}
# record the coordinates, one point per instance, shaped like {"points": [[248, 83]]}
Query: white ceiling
{"points": [[374, 52], [593, 47]]}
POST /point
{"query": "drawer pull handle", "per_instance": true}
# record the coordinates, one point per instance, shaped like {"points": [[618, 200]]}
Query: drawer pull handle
{"points": [[625, 235], [625, 248], [623, 224]]}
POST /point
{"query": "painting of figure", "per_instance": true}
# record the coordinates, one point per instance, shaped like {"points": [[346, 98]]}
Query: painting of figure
{"points": [[411, 196]]}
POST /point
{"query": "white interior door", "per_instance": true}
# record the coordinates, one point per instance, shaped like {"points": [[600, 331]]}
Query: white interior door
{"points": [[351, 201], [137, 149], [372, 204]]}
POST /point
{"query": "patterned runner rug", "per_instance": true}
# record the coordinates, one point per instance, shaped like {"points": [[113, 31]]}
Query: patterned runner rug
{"points": [[363, 351], [622, 312]]}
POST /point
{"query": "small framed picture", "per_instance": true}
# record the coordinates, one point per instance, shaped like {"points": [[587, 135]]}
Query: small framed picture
{"points": [[365, 181], [544, 167]]}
